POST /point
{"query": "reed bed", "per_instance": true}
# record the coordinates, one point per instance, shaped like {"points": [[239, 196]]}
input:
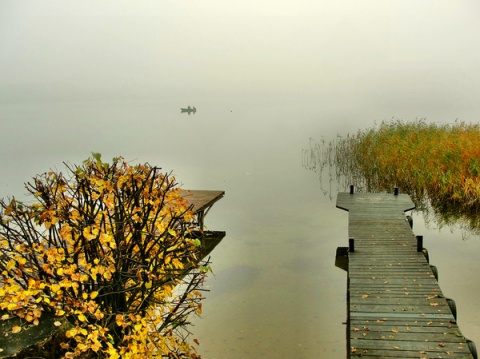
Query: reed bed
{"points": [[437, 165]]}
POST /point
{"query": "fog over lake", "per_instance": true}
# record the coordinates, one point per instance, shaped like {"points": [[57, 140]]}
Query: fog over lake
{"points": [[265, 76]]}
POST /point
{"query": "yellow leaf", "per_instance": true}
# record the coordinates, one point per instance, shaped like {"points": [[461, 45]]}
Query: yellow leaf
{"points": [[90, 233], [107, 275], [16, 329], [119, 320], [93, 295], [71, 333], [12, 306], [8, 210], [112, 352], [10, 264], [57, 323], [172, 248]]}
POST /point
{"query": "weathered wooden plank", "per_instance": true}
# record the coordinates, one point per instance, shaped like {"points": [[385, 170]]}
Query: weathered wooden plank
{"points": [[369, 299], [411, 345], [396, 335], [390, 294], [405, 325], [402, 308], [388, 260], [406, 354], [402, 272], [365, 282], [368, 201], [396, 307]]}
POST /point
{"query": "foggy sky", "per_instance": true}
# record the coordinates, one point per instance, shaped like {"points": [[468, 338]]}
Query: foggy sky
{"points": [[381, 54], [82, 76]]}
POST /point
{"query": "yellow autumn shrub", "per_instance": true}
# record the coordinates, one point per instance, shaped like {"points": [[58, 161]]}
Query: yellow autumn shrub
{"points": [[106, 248]]}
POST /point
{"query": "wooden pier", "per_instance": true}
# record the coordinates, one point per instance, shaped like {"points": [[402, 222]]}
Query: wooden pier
{"points": [[201, 202], [396, 308]]}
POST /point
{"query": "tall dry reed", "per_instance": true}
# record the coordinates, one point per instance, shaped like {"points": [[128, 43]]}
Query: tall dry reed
{"points": [[437, 165]]}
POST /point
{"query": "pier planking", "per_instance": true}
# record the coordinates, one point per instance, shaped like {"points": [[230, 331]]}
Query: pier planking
{"points": [[396, 308]]}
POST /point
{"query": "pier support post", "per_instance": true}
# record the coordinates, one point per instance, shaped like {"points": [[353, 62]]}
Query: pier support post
{"points": [[419, 243], [351, 189], [395, 191], [351, 244], [410, 221]]}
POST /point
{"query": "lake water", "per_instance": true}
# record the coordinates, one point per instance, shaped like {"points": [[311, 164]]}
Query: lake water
{"points": [[276, 292]]}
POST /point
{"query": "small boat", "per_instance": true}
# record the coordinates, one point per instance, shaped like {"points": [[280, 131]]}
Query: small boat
{"points": [[189, 110]]}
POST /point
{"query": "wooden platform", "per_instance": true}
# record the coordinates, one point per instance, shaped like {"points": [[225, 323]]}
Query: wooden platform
{"points": [[202, 201], [396, 308]]}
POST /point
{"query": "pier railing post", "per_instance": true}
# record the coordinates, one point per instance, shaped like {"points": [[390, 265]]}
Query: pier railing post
{"points": [[419, 243]]}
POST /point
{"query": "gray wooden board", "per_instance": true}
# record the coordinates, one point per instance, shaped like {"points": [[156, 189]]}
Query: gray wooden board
{"points": [[396, 307], [374, 299]]}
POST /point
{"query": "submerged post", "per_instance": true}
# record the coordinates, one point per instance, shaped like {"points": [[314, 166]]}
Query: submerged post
{"points": [[419, 243], [351, 189], [395, 191]]}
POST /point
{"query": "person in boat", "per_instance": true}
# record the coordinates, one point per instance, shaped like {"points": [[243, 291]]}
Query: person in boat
{"points": [[189, 109]]}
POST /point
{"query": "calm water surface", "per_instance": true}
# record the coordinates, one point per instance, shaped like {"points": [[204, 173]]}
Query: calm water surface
{"points": [[276, 292]]}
